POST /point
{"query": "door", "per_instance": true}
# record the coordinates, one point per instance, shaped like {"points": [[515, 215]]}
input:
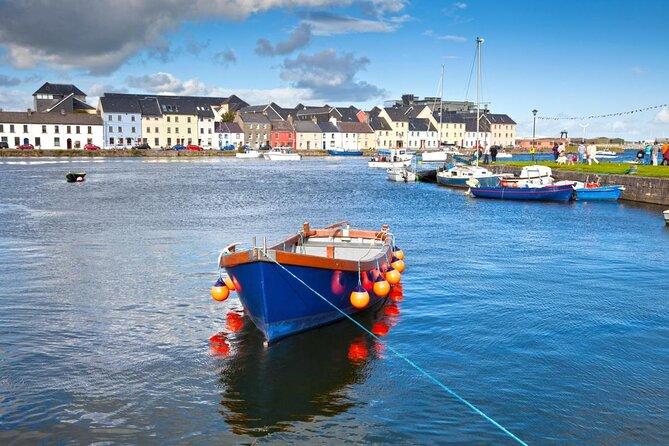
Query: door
{"points": [[69, 143], [26, 141]]}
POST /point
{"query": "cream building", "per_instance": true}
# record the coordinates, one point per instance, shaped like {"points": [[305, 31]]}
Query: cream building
{"points": [[308, 136]]}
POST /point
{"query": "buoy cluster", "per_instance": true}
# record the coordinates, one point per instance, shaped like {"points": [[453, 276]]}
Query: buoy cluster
{"points": [[386, 283], [222, 288]]}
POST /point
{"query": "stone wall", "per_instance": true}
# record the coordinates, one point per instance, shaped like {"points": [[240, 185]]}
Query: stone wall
{"points": [[637, 188]]}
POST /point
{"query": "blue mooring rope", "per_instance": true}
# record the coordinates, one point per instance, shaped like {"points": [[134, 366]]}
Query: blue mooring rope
{"points": [[409, 361]]}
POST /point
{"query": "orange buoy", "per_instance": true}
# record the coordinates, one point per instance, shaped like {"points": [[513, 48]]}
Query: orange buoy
{"points": [[381, 287], [393, 276], [398, 253], [220, 291], [229, 283], [398, 264], [359, 297]]}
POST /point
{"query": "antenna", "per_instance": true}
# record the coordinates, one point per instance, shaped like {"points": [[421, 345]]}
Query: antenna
{"points": [[584, 126]]}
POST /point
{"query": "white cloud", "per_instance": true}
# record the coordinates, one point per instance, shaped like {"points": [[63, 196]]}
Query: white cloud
{"points": [[445, 37], [662, 115], [328, 24], [460, 5]]}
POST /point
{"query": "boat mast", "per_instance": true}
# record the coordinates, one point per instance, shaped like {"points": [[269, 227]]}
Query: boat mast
{"points": [[479, 41], [441, 103]]}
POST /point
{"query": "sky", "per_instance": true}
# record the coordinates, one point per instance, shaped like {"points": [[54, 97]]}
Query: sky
{"points": [[566, 58]]}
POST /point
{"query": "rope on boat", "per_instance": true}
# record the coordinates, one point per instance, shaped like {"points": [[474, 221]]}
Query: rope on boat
{"points": [[407, 360]]}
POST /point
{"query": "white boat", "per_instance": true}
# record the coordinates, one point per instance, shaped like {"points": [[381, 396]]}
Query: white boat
{"points": [[504, 155], [605, 154], [402, 174], [389, 158], [249, 153], [530, 176], [434, 156], [457, 176], [282, 154], [666, 216]]}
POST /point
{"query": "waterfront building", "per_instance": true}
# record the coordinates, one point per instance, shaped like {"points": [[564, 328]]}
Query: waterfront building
{"points": [[308, 135], [451, 128], [122, 120], [228, 134], [331, 137], [256, 127], [434, 103], [61, 119], [382, 131], [494, 129], [502, 128], [398, 119], [282, 134], [356, 136], [422, 134]]}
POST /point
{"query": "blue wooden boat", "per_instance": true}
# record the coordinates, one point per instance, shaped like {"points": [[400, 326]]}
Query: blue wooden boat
{"points": [[544, 193], [599, 193], [345, 152], [459, 175], [328, 260]]}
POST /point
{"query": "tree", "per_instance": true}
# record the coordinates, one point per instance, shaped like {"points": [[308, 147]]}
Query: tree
{"points": [[228, 116]]}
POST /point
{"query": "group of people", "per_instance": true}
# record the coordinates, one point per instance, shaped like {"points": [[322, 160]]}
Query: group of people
{"points": [[489, 153], [586, 154], [651, 153]]}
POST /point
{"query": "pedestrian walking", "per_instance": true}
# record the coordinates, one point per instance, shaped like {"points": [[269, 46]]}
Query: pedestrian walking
{"points": [[493, 153], [648, 150], [591, 152], [656, 151], [555, 152], [486, 155], [581, 153]]}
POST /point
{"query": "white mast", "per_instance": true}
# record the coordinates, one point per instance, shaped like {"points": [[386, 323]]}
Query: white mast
{"points": [[479, 41], [441, 103]]}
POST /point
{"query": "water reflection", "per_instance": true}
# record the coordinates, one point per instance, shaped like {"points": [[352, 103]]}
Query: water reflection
{"points": [[265, 390]]}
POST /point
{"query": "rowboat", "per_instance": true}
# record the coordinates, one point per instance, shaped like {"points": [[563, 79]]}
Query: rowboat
{"points": [[75, 177], [458, 175], [282, 154], [504, 155], [402, 174], [276, 285], [544, 193], [596, 192]]}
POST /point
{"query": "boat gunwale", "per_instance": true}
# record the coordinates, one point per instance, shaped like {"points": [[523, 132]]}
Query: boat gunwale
{"points": [[276, 253]]}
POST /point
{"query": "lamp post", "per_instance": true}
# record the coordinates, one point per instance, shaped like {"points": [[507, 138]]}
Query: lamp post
{"points": [[534, 131]]}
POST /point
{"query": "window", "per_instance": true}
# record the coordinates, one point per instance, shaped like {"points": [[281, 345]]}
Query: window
{"points": [[55, 129], [119, 129], [69, 129], [89, 140], [119, 118], [201, 131], [188, 129], [168, 119], [56, 142], [148, 130], [25, 128], [38, 142], [128, 141], [77, 130], [2, 128], [155, 141], [210, 130], [90, 130], [111, 129], [132, 118], [111, 141], [176, 119], [43, 129], [189, 119], [156, 129], [169, 130], [132, 130], [169, 141], [17, 141]]}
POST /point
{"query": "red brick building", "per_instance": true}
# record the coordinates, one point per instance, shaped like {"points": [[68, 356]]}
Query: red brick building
{"points": [[282, 134]]}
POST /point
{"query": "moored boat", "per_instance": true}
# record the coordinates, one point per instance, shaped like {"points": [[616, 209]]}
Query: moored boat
{"points": [[342, 152], [666, 216], [605, 154], [75, 177], [504, 155], [563, 192], [597, 192], [388, 158], [530, 176], [276, 285], [248, 153], [458, 175], [402, 174], [282, 154]]}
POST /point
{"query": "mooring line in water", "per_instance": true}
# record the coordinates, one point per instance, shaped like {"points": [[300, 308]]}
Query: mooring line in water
{"points": [[410, 362]]}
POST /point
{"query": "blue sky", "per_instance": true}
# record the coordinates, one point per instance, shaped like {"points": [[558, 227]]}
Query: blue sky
{"points": [[564, 58]]}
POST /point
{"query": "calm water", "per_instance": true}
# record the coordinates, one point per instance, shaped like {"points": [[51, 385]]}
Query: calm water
{"points": [[551, 318]]}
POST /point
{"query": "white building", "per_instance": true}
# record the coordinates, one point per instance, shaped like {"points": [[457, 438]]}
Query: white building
{"points": [[422, 134], [50, 130], [205, 128], [331, 137], [228, 134]]}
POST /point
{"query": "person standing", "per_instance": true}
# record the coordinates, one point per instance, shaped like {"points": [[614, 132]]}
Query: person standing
{"points": [[581, 153], [648, 150], [493, 153], [591, 152], [555, 152], [560, 149], [532, 152], [656, 150], [665, 154], [486, 155]]}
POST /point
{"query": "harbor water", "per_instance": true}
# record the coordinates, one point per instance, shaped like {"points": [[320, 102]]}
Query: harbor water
{"points": [[551, 318]]}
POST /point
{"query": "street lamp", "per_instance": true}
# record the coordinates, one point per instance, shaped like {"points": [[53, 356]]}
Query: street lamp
{"points": [[534, 131]]}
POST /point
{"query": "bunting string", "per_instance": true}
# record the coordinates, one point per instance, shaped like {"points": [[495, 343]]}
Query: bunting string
{"points": [[608, 115]]}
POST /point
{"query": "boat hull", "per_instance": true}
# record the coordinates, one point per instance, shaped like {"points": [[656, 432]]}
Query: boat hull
{"points": [[666, 216], [282, 156], [604, 193], [547, 193], [344, 153], [388, 164], [280, 306], [248, 155], [461, 182], [433, 157]]}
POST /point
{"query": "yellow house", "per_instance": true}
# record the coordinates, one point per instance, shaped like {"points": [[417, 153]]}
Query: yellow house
{"points": [[451, 128]]}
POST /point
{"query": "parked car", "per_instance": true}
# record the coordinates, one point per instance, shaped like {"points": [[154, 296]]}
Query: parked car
{"points": [[90, 146], [143, 146], [26, 147], [194, 148], [228, 147], [179, 147], [4, 145]]}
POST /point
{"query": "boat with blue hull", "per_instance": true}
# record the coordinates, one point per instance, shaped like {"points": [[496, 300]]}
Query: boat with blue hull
{"points": [[458, 175], [545, 193], [599, 193], [332, 261], [345, 152]]}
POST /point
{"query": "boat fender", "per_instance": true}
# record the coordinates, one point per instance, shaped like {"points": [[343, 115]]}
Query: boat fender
{"points": [[381, 287], [398, 253], [220, 291], [398, 264], [393, 276], [359, 297]]}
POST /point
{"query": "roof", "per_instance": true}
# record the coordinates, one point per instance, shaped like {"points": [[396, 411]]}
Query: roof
{"points": [[354, 127], [307, 127], [121, 104], [349, 114], [377, 123], [59, 89], [470, 122], [328, 127], [227, 127], [176, 105], [421, 125], [282, 126], [496, 118], [149, 107], [255, 118], [398, 114], [449, 117], [50, 118]]}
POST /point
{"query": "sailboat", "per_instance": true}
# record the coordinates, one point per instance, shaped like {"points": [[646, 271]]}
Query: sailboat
{"points": [[459, 174], [440, 155]]}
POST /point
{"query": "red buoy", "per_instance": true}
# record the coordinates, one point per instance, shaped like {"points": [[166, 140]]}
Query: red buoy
{"points": [[234, 322], [357, 351], [391, 310], [380, 329], [217, 338]]}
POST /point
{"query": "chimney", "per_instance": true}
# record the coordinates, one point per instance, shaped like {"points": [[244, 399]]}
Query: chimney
{"points": [[29, 112], [62, 111], [314, 120]]}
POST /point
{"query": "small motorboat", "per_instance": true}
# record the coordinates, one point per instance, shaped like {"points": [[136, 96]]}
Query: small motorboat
{"points": [[402, 174], [597, 192], [504, 155], [388, 158], [439, 156], [276, 284], [458, 175], [564, 192], [75, 177], [666, 216], [342, 152], [605, 154], [282, 154], [530, 176], [249, 154]]}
